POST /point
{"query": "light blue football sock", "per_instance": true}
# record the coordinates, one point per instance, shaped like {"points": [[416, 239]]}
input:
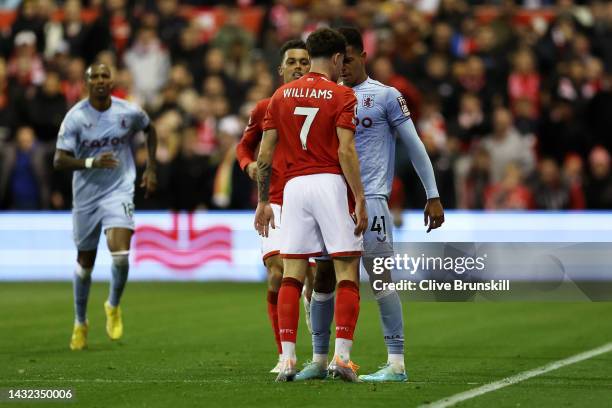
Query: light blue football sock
{"points": [[390, 308], [321, 316], [81, 284], [119, 271]]}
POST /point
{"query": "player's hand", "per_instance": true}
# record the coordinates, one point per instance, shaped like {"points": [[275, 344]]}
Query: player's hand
{"points": [[251, 170], [361, 216], [149, 181], [264, 217], [106, 160], [434, 214]]}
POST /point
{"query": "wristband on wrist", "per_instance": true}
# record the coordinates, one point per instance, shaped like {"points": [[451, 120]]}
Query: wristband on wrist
{"points": [[89, 162]]}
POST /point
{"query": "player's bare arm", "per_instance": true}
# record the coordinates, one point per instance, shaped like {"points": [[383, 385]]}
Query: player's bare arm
{"points": [[264, 215], [349, 162], [251, 170], [149, 177], [65, 160]]}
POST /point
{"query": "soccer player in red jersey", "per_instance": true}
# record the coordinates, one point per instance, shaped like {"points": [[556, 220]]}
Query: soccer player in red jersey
{"points": [[295, 63], [311, 122]]}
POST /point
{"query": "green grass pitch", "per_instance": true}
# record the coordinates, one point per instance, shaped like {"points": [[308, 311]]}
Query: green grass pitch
{"points": [[210, 345]]}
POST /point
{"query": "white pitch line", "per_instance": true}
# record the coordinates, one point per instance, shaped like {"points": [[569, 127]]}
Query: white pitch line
{"points": [[525, 375]]}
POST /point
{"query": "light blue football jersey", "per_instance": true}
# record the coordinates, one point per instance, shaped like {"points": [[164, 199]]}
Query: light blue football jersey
{"points": [[380, 110], [87, 132]]}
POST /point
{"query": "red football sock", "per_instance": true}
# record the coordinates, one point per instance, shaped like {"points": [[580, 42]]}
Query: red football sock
{"points": [[347, 309], [289, 308], [273, 315]]}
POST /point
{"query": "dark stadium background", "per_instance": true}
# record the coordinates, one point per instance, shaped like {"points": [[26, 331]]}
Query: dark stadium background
{"points": [[512, 99]]}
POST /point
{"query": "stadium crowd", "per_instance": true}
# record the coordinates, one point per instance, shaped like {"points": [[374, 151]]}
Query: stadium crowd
{"points": [[515, 113]]}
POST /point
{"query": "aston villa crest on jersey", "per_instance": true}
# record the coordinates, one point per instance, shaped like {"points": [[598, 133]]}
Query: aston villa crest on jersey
{"points": [[367, 100]]}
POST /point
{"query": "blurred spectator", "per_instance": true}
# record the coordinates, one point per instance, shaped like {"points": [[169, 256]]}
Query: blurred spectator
{"points": [[23, 175], [510, 193], [524, 84], [74, 84], [506, 146], [551, 191], [9, 102], [494, 59], [25, 65], [46, 110], [382, 70], [437, 80], [171, 24], [76, 33], [471, 77], [29, 20], [556, 43], [191, 184], [573, 170], [235, 43], [477, 180], [149, 65], [431, 124], [602, 32], [470, 123], [598, 115], [524, 121], [598, 185], [115, 17], [231, 186], [574, 86], [440, 42], [562, 131]]}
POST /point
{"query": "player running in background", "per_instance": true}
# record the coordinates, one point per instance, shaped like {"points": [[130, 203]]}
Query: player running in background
{"points": [[94, 141], [382, 114], [295, 63], [312, 120]]}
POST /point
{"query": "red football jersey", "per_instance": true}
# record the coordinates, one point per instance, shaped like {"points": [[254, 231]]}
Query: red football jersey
{"points": [[245, 151], [305, 113]]}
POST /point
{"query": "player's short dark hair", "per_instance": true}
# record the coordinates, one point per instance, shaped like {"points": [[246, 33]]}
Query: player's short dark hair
{"points": [[325, 42], [353, 37], [292, 45], [92, 66]]}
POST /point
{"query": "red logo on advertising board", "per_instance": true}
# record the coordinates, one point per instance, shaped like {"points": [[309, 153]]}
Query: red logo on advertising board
{"points": [[182, 249]]}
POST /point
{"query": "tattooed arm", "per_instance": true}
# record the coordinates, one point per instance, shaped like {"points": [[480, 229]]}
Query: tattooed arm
{"points": [[264, 215]]}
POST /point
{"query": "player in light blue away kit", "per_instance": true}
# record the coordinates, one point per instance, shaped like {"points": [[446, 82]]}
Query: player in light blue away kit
{"points": [[382, 114], [94, 141]]}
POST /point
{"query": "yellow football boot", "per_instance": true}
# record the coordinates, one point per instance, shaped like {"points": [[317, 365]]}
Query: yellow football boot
{"points": [[78, 341], [114, 324]]}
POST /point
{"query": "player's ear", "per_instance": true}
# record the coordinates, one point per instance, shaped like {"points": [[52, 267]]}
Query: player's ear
{"points": [[280, 70], [364, 56], [336, 58]]}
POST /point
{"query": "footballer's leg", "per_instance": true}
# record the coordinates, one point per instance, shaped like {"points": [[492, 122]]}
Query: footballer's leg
{"points": [[378, 242], [274, 267], [301, 239], [307, 291], [118, 240], [81, 286], [86, 230], [322, 314], [294, 272], [347, 312], [333, 214], [118, 225]]}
